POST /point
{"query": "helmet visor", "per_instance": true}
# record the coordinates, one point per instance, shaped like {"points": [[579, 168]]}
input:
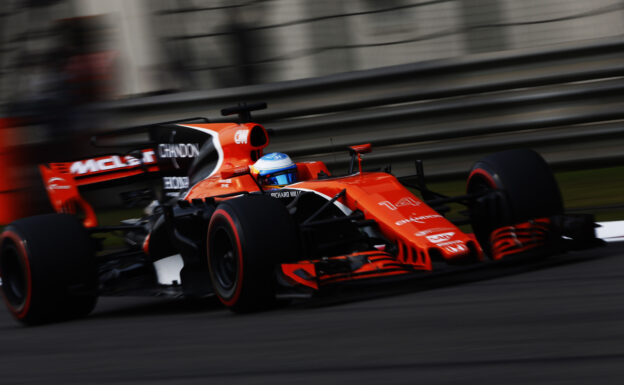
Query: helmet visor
{"points": [[280, 178]]}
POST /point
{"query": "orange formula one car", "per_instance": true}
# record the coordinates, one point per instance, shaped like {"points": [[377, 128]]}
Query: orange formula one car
{"points": [[248, 228]]}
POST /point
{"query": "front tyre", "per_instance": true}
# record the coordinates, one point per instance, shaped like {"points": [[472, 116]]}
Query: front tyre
{"points": [[517, 186], [247, 238], [48, 269]]}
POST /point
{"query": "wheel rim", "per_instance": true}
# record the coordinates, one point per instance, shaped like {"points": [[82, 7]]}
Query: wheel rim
{"points": [[14, 281], [224, 260]]}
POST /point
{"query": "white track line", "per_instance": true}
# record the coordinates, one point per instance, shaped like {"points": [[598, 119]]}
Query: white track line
{"points": [[611, 231]]}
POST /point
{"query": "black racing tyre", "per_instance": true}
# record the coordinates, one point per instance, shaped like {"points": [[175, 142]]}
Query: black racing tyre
{"points": [[525, 189], [48, 269], [247, 238]]}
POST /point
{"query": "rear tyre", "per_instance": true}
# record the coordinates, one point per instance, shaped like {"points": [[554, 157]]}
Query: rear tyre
{"points": [[524, 187], [48, 269], [247, 238]]}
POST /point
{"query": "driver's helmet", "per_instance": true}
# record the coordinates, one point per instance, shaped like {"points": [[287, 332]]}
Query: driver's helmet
{"points": [[275, 169]]}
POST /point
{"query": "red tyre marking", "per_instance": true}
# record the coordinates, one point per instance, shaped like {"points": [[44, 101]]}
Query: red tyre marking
{"points": [[488, 177], [21, 311], [146, 244], [239, 282]]}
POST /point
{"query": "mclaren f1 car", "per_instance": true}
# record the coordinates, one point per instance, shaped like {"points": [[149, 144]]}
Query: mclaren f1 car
{"points": [[215, 229]]}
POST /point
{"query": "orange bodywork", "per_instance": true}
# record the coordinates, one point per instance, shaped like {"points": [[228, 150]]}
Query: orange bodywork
{"points": [[236, 152], [64, 196], [418, 233]]}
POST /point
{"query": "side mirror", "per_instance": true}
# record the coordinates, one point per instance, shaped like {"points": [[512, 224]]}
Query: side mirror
{"points": [[356, 152], [361, 149], [239, 171], [234, 171]]}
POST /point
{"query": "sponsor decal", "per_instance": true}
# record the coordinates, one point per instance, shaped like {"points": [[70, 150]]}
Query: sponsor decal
{"points": [[53, 184], [176, 182], [405, 201], [178, 150], [442, 237], [388, 205], [449, 243], [224, 183], [456, 249], [240, 137], [416, 219], [285, 194], [109, 163]]}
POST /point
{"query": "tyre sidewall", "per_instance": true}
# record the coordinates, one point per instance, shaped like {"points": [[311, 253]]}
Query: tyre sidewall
{"points": [[222, 220], [13, 243], [525, 186], [264, 235], [61, 269]]}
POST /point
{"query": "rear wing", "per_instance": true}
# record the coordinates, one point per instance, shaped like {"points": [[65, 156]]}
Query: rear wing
{"points": [[147, 151], [108, 167]]}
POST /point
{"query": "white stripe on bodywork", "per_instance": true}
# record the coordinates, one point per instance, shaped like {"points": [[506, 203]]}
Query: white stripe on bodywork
{"points": [[342, 207], [217, 144]]}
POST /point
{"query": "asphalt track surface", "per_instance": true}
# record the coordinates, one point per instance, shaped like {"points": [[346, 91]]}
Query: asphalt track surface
{"points": [[555, 322]]}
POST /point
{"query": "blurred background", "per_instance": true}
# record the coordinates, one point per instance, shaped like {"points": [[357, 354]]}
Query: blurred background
{"points": [[441, 80], [182, 45]]}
